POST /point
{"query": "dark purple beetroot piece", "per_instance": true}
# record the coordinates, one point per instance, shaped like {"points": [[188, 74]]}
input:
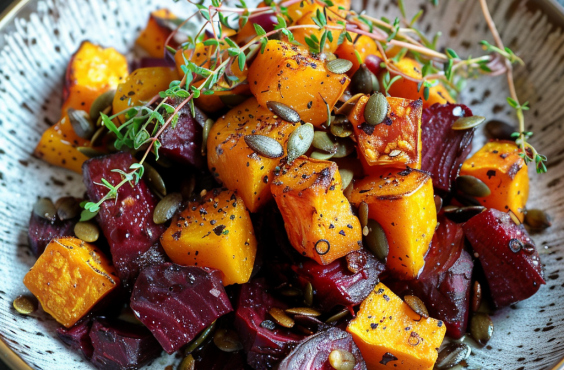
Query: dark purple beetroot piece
{"points": [[508, 256], [313, 352], [183, 143], [41, 231], [334, 284], [155, 255], [120, 345], [264, 344], [78, 338], [446, 246], [128, 223], [444, 149], [177, 302]]}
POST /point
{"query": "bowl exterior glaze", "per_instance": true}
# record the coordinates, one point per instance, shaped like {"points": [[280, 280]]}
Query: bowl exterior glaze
{"points": [[38, 38]]}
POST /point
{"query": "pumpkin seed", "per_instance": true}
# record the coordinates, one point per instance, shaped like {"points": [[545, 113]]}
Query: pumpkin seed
{"points": [[466, 199], [341, 127], [25, 305], [339, 66], [267, 324], [346, 177], [227, 340], [283, 111], [102, 102], [363, 214], [300, 141], [376, 240], [362, 82], [499, 130], [308, 294], [466, 123], [81, 123], [233, 100], [45, 208], [416, 305], [90, 152], [322, 141], [338, 316], [438, 203], [348, 191], [376, 109], [166, 208], [339, 359], [154, 180], [452, 354], [290, 292], [87, 231], [187, 363], [394, 153], [345, 147], [481, 328], [67, 208], [514, 218], [281, 318], [462, 214], [98, 134], [476, 296], [265, 146], [305, 311], [205, 133], [321, 156], [538, 219], [472, 186], [328, 56], [348, 105], [204, 335]]}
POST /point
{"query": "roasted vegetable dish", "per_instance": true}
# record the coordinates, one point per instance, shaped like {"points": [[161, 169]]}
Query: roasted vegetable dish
{"points": [[293, 187]]}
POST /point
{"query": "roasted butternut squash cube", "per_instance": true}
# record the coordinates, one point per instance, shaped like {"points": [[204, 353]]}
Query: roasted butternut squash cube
{"points": [[402, 203], [317, 216], [215, 232], [407, 89], [154, 36], [290, 75], [236, 165], [69, 278], [396, 142], [364, 45], [500, 167], [390, 335], [300, 34]]}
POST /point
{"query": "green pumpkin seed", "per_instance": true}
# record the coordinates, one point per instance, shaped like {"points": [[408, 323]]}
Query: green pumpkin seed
{"points": [[67, 208], [90, 152], [205, 133], [466, 123], [499, 130], [204, 335], [452, 354], [339, 66], [362, 82], [97, 135], [481, 328], [323, 141], [348, 191], [341, 127], [305, 311], [45, 208], [102, 102], [376, 109], [363, 214], [227, 340], [166, 208], [187, 363], [376, 240], [339, 359], [346, 177], [265, 146], [329, 56], [308, 294], [281, 318], [283, 111], [321, 155], [154, 180], [87, 231], [346, 108], [338, 316], [416, 305], [476, 296], [289, 291], [345, 147], [81, 123], [538, 219], [472, 186], [299, 141], [25, 305]]}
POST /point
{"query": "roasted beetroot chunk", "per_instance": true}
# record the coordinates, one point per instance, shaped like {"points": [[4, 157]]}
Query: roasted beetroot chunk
{"points": [[183, 143], [444, 149], [508, 256], [121, 345], [41, 231], [78, 338], [264, 346], [445, 249], [313, 352], [177, 302], [128, 223], [335, 284]]}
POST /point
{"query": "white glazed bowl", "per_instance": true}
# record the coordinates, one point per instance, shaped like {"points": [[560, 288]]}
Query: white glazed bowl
{"points": [[34, 51]]}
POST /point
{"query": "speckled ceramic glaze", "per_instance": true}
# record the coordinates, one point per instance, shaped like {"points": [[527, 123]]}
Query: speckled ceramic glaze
{"points": [[35, 48]]}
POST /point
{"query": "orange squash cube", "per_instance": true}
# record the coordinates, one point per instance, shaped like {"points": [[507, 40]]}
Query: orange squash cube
{"points": [[216, 232], [154, 36], [290, 75], [500, 167], [317, 216], [390, 335], [364, 45], [237, 166], [69, 278], [402, 203], [396, 142]]}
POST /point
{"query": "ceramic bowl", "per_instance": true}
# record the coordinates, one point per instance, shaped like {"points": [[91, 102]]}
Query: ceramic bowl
{"points": [[38, 37]]}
